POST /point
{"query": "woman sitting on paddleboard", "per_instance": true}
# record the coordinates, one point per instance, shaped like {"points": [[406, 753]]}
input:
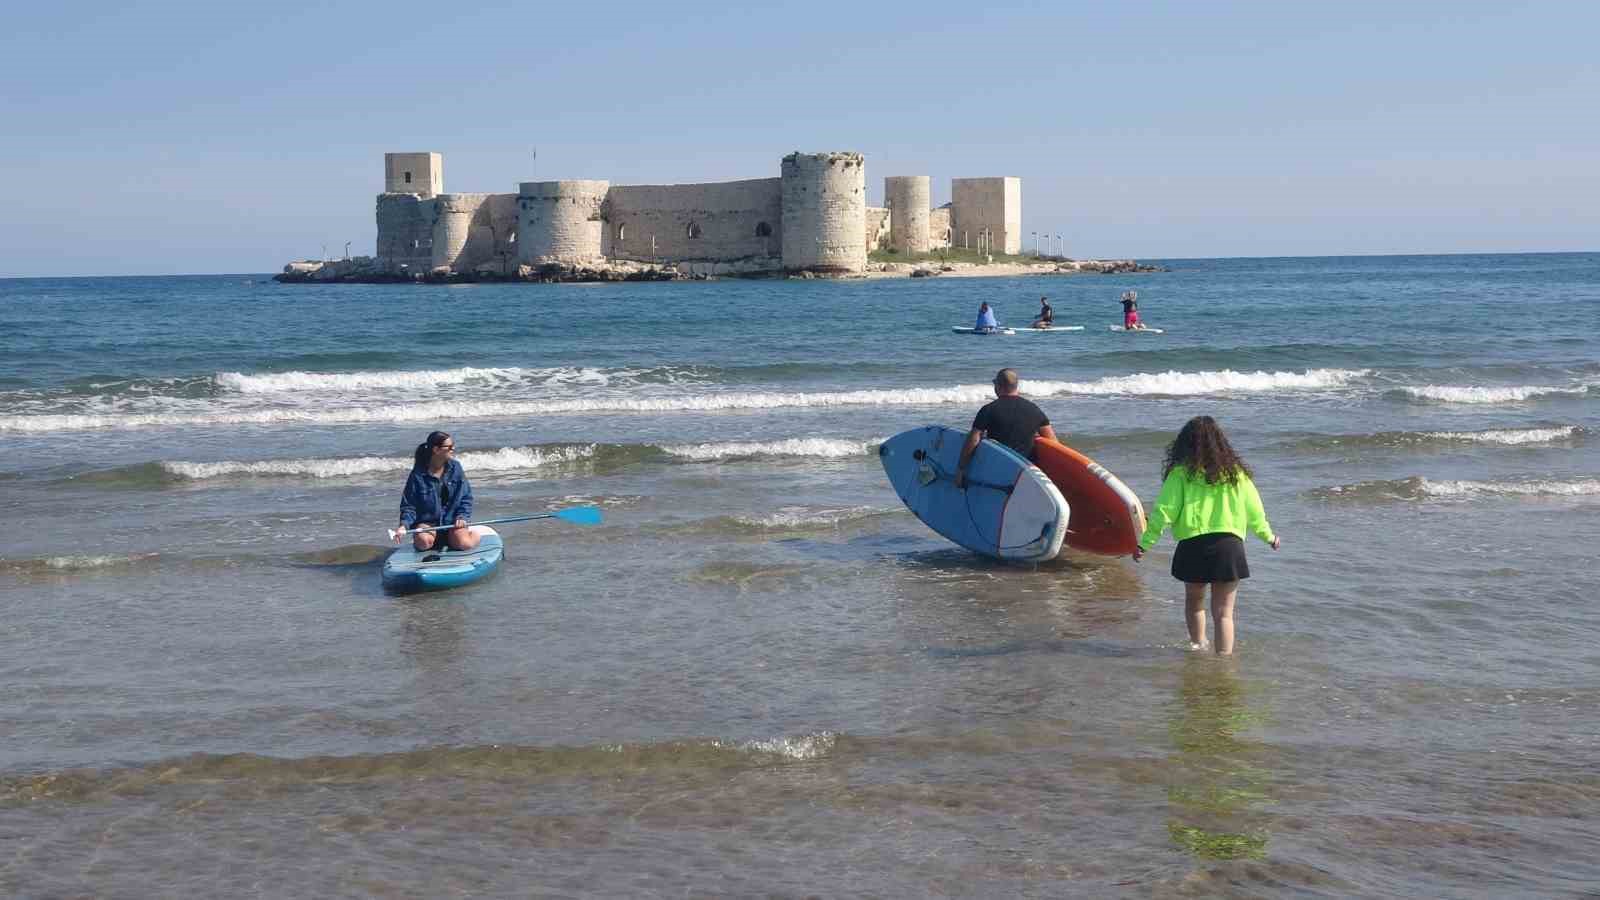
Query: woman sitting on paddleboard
{"points": [[1210, 502], [437, 493]]}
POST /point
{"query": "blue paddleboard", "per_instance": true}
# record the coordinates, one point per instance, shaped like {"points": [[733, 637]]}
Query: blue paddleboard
{"points": [[407, 570], [1009, 509]]}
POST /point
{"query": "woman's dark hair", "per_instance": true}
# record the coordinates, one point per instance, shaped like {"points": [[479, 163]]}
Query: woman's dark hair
{"points": [[419, 460], [1202, 447]]}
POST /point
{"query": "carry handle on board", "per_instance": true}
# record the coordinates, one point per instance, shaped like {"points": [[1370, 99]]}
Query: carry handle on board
{"points": [[577, 515]]}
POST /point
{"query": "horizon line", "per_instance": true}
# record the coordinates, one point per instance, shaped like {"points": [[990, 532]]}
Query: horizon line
{"points": [[1133, 258]]}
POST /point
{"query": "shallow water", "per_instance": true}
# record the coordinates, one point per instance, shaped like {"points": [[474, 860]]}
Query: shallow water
{"points": [[760, 674]]}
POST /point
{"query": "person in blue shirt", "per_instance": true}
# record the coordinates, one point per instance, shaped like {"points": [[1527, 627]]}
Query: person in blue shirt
{"points": [[437, 493], [986, 320]]}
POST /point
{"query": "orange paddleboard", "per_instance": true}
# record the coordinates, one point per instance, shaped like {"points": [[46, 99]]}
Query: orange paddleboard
{"points": [[1107, 516]]}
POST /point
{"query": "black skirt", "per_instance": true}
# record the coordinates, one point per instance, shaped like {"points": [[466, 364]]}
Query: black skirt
{"points": [[1218, 556]]}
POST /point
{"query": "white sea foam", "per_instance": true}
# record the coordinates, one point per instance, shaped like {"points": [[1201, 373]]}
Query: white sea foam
{"points": [[803, 517], [1166, 383], [505, 459], [807, 746], [1176, 383], [1508, 435], [1440, 393], [1582, 487], [826, 448], [344, 382]]}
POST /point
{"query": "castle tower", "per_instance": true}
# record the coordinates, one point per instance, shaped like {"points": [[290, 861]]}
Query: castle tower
{"points": [[824, 212], [559, 221], [413, 173], [909, 198], [988, 206]]}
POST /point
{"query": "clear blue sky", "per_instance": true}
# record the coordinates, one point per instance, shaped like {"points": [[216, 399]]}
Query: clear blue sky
{"points": [[174, 137]]}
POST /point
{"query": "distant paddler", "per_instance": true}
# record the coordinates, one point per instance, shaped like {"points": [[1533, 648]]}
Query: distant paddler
{"points": [[987, 324], [1047, 314]]}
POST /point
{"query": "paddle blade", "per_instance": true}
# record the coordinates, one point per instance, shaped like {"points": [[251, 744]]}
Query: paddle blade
{"points": [[579, 515]]}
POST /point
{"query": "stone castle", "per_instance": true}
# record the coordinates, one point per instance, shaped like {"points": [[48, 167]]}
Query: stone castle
{"points": [[812, 218]]}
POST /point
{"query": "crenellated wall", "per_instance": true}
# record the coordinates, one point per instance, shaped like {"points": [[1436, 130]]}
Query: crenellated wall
{"points": [[992, 204], [908, 198], [824, 212], [813, 217], [724, 222], [560, 222]]}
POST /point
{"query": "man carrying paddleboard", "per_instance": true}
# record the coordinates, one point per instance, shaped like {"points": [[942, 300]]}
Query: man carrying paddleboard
{"points": [[437, 493], [1009, 419]]}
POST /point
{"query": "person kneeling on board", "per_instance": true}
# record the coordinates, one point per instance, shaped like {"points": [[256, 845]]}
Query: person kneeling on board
{"points": [[1047, 315], [1010, 418], [437, 493], [986, 320]]}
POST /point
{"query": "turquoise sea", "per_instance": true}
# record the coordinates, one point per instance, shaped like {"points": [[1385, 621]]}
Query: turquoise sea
{"points": [[761, 675]]}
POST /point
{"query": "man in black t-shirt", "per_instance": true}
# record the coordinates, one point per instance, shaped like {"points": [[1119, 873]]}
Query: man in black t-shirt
{"points": [[1010, 419]]}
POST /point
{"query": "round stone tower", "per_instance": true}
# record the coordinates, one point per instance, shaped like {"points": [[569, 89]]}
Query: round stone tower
{"points": [[559, 221], [825, 212], [452, 226], [909, 198]]}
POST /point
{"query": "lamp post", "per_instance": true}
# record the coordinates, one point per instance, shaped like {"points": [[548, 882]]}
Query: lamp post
{"points": [[346, 249], [1035, 245]]}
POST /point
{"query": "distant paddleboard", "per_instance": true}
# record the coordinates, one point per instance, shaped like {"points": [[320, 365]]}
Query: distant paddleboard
{"points": [[967, 330], [1138, 330], [1107, 516], [407, 570], [1008, 509], [1052, 328]]}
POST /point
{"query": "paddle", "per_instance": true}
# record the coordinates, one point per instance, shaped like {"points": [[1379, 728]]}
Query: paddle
{"points": [[577, 515]]}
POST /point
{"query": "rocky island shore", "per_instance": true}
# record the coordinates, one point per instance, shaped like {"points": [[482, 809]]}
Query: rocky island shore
{"points": [[369, 270]]}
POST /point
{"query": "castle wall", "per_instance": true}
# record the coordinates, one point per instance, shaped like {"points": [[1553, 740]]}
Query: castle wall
{"points": [[413, 173], [724, 222], [939, 231], [908, 198], [877, 228], [405, 233], [473, 230], [560, 222], [824, 212], [987, 203]]}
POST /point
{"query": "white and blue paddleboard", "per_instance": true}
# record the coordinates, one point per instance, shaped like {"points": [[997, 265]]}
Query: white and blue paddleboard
{"points": [[960, 329], [1052, 328], [1009, 509], [1137, 330], [408, 570]]}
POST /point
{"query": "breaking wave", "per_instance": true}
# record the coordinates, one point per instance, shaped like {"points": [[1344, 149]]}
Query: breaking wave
{"points": [[1417, 488], [289, 382], [824, 448], [1155, 384], [1510, 437], [1438, 393]]}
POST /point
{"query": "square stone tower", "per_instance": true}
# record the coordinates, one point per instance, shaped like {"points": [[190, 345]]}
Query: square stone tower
{"points": [[413, 173], [989, 205]]}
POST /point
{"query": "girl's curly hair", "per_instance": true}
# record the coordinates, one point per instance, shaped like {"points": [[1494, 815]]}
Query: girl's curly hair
{"points": [[1202, 447]]}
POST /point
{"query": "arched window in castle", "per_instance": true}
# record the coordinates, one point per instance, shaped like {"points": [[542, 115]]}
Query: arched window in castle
{"points": [[947, 235], [694, 229], [622, 233], [408, 178], [763, 230]]}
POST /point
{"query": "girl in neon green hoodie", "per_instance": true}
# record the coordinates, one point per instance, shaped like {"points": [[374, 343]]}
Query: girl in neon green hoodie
{"points": [[1210, 502]]}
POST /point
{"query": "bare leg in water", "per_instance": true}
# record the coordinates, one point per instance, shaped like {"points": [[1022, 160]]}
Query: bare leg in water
{"points": [[1194, 613], [1222, 595]]}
